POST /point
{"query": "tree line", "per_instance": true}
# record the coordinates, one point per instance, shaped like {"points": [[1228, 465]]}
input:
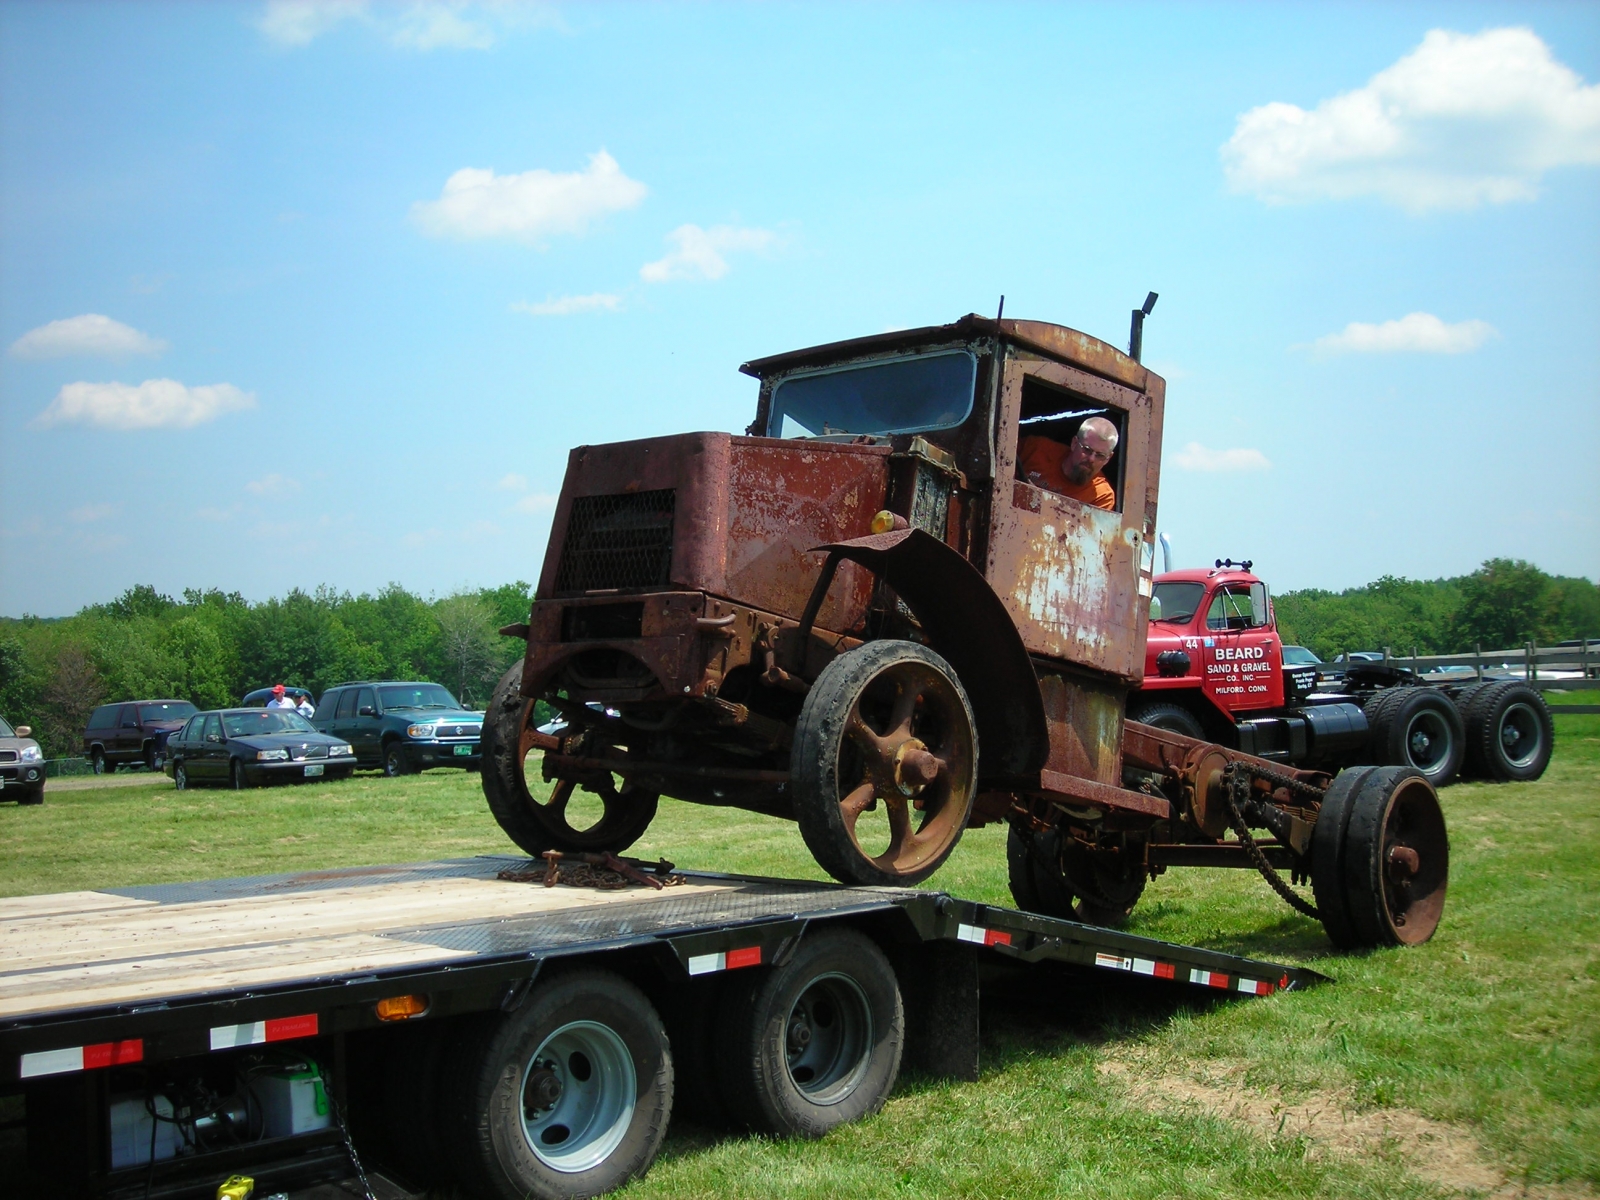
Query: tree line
{"points": [[213, 647], [1503, 604]]}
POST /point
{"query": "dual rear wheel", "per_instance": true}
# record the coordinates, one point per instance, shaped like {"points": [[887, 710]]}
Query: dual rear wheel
{"points": [[570, 1094]]}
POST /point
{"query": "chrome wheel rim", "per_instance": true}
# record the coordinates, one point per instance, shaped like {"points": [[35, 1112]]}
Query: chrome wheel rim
{"points": [[578, 1093]]}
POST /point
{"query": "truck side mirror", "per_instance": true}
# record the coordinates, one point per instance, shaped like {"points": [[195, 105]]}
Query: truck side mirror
{"points": [[366, 710], [24, 730]]}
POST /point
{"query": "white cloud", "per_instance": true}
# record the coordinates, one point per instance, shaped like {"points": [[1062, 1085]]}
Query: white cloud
{"points": [[565, 306], [153, 404], [512, 482], [477, 203], [273, 485], [1195, 457], [1464, 119], [300, 22], [1418, 333], [431, 26], [536, 503], [86, 513], [88, 334], [699, 252]]}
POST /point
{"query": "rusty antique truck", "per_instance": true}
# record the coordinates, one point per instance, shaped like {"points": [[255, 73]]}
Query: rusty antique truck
{"points": [[861, 617]]}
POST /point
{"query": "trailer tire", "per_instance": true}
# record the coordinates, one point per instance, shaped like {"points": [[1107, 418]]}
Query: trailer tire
{"points": [[1174, 718], [535, 826], [1510, 733], [1417, 727], [814, 1042], [1380, 858], [568, 1096], [842, 766]]}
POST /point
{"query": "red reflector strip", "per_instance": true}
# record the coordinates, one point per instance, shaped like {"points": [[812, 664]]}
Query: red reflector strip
{"points": [[81, 1058], [281, 1029], [731, 960], [979, 936], [1216, 979], [1152, 967]]}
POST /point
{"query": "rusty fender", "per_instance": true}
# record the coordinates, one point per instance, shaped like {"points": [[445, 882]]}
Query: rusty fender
{"points": [[969, 625]]}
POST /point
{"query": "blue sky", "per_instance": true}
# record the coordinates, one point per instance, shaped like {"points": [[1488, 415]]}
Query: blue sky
{"points": [[393, 261]]}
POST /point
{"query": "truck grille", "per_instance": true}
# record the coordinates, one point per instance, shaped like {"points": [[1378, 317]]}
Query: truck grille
{"points": [[8, 756], [460, 731], [622, 541], [302, 752]]}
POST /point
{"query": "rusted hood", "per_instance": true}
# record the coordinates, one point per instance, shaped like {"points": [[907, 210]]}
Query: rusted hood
{"points": [[734, 516]]}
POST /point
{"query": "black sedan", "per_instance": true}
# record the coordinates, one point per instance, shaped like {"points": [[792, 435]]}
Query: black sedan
{"points": [[242, 747]]}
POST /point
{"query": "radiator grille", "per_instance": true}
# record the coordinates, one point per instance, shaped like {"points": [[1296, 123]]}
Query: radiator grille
{"points": [[622, 541]]}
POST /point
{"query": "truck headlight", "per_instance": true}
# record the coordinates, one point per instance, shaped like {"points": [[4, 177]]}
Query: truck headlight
{"points": [[339, 751], [271, 755], [31, 754], [422, 731]]}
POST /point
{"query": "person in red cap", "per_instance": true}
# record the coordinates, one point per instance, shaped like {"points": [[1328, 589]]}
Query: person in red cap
{"points": [[280, 698]]}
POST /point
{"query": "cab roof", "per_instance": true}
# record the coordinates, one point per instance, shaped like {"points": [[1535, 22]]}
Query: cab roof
{"points": [[1054, 341], [1208, 575]]}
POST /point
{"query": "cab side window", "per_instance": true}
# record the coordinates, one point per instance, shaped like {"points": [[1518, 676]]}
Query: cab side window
{"points": [[130, 717], [366, 698], [213, 728], [347, 703], [1056, 414], [104, 717], [1238, 606]]}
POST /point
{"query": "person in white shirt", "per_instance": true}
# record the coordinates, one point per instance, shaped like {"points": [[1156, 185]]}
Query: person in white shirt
{"points": [[305, 708], [280, 698]]}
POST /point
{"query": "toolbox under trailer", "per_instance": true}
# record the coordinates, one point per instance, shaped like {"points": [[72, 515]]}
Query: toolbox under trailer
{"points": [[442, 1024]]}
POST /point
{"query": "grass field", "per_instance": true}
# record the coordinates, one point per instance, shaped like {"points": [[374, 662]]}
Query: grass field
{"points": [[1468, 1066]]}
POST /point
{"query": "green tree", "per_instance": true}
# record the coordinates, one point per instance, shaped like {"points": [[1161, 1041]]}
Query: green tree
{"points": [[469, 649], [72, 692], [1504, 603]]}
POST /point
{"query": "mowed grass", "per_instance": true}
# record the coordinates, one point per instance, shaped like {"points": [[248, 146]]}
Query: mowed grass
{"points": [[1475, 1057]]}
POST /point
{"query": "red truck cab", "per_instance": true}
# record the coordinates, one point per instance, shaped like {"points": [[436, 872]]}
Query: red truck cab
{"points": [[1214, 630]]}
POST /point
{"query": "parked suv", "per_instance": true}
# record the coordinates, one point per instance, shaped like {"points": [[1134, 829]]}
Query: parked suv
{"points": [[133, 732], [401, 727], [21, 765]]}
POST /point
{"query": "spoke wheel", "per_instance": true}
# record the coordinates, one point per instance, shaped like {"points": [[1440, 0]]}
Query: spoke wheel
{"points": [[886, 730], [180, 777], [1054, 874], [557, 822]]}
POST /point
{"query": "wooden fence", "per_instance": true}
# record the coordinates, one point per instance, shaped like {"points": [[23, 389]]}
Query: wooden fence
{"points": [[1570, 667]]}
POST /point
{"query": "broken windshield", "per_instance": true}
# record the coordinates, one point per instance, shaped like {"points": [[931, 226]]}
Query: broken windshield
{"points": [[902, 395]]}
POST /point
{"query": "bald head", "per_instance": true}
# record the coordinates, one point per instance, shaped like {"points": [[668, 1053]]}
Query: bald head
{"points": [[1092, 447]]}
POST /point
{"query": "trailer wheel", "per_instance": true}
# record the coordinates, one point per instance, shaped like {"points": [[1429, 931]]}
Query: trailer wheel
{"points": [[536, 825], [814, 1043], [1380, 858], [568, 1096], [1417, 727], [1174, 718], [1510, 734], [885, 725]]}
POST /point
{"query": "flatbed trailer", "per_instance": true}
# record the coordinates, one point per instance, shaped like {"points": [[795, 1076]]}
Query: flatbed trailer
{"points": [[458, 1022]]}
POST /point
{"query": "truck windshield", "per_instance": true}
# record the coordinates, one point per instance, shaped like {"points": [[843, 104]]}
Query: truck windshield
{"points": [[176, 710], [416, 695], [902, 395], [1176, 602]]}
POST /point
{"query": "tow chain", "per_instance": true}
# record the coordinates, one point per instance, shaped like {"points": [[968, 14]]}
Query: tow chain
{"points": [[1236, 776]]}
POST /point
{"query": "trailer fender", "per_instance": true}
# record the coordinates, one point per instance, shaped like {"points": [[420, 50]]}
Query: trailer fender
{"points": [[969, 626]]}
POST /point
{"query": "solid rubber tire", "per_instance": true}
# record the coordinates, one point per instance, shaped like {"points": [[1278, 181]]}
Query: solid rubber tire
{"points": [[1485, 714], [751, 1063], [1363, 855], [483, 1090], [1328, 838], [1034, 887], [1389, 715], [814, 762], [1174, 718]]}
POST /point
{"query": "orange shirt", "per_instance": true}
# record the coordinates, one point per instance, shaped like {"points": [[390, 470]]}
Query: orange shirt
{"points": [[1042, 456]]}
